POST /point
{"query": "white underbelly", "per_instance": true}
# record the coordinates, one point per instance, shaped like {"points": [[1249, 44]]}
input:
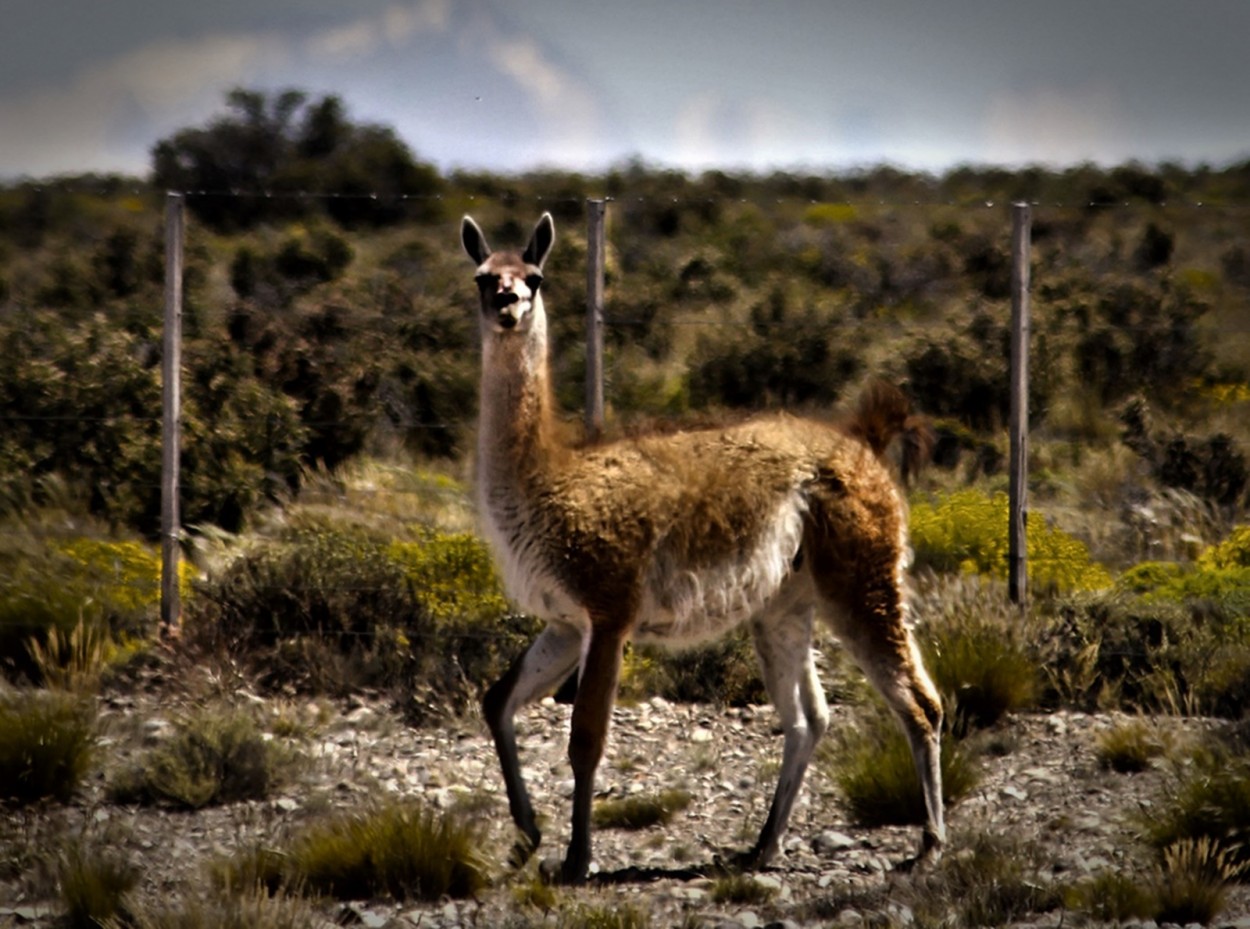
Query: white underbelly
{"points": [[686, 605]]}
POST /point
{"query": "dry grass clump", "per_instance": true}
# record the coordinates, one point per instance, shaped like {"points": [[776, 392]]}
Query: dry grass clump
{"points": [[95, 884], [402, 850], [872, 765], [1130, 747], [1193, 879], [641, 811], [1208, 799], [47, 744], [216, 755], [740, 889], [230, 910], [607, 916]]}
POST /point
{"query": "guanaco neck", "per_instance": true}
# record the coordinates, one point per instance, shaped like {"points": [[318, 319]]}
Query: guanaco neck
{"points": [[516, 434]]}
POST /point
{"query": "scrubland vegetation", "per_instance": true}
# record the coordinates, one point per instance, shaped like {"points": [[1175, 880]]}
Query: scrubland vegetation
{"points": [[330, 376]]}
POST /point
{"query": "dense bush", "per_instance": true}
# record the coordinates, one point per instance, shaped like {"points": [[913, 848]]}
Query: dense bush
{"points": [[331, 606]]}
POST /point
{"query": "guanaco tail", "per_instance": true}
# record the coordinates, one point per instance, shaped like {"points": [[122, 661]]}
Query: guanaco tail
{"points": [[677, 539]]}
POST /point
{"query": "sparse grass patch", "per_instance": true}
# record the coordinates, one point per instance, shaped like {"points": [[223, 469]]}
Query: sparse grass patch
{"points": [[640, 812], [1129, 747], [1113, 896], [404, 850], [215, 756], [1208, 800], [990, 880], [47, 744], [724, 673], [607, 916], [871, 763], [231, 910]]}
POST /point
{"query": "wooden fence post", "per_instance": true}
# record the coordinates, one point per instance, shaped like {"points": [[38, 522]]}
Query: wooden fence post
{"points": [[595, 246], [1021, 244], [171, 397]]}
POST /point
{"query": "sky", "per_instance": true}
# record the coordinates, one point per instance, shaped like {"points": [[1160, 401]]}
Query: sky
{"points": [[515, 85]]}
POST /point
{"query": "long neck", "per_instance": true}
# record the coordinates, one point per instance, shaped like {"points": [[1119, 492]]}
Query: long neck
{"points": [[515, 433]]}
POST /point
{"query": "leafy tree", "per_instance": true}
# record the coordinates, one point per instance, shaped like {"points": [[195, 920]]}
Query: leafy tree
{"points": [[255, 164]]}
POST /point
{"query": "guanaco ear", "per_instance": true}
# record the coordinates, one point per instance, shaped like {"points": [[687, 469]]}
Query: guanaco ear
{"points": [[541, 240], [473, 240]]}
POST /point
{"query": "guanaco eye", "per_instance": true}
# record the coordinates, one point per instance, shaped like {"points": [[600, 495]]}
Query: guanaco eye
{"points": [[487, 281], [533, 282]]}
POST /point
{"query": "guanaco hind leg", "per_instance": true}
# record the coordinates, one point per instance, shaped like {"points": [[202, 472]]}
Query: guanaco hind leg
{"points": [[547, 661], [783, 643]]}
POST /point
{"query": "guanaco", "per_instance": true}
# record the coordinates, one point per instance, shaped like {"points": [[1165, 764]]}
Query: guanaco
{"points": [[677, 539]]}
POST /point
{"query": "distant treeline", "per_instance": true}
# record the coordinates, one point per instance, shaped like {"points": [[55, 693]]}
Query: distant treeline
{"points": [[328, 306]]}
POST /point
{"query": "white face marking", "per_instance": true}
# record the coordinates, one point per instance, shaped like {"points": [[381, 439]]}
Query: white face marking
{"points": [[507, 297]]}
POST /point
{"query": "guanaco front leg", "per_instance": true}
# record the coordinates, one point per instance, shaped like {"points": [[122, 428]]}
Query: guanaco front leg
{"points": [[592, 712], [548, 660]]}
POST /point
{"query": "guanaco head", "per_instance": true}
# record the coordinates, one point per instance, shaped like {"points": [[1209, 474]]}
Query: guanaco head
{"points": [[508, 282]]}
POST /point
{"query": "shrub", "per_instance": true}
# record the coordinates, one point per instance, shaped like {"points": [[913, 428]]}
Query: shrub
{"points": [[639, 812], [725, 672], [330, 606], [215, 756], [967, 531], [405, 850], [47, 744], [871, 763], [1113, 896]]}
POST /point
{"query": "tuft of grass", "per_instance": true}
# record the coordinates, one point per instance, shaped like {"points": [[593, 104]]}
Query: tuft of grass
{"points": [[404, 850], [1130, 747], [1192, 881], [47, 744], [215, 756], [740, 889], [95, 885], [640, 812], [72, 660], [872, 765]]}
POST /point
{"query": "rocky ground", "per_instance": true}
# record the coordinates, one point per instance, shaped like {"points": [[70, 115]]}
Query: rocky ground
{"points": [[1042, 789]]}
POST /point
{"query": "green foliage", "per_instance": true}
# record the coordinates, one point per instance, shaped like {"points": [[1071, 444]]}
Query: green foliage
{"points": [[638, 811], [967, 531], [404, 850], [872, 765], [47, 744], [215, 756]]}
